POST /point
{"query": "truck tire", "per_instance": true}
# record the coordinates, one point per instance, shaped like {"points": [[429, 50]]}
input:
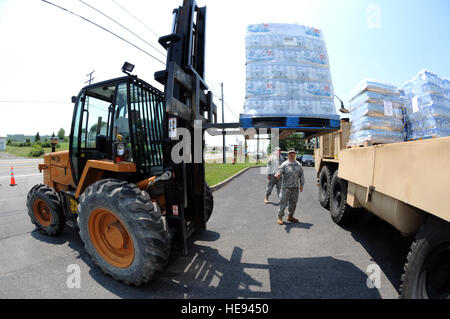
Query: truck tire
{"points": [[45, 210], [324, 186], [341, 212], [123, 231], [209, 202], [427, 269]]}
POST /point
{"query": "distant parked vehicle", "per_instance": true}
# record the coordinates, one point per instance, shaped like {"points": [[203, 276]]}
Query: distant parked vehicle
{"points": [[307, 160], [284, 155]]}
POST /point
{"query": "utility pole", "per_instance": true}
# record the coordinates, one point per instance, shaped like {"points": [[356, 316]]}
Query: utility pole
{"points": [[91, 78], [223, 131]]}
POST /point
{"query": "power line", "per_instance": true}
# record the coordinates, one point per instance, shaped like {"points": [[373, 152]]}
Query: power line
{"points": [[46, 102], [103, 28], [225, 103], [91, 78], [133, 16], [121, 25]]}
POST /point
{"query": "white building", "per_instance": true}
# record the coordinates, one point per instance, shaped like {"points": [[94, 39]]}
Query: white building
{"points": [[2, 141]]}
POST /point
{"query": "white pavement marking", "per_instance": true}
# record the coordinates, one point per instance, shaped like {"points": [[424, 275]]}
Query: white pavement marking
{"points": [[16, 176]]}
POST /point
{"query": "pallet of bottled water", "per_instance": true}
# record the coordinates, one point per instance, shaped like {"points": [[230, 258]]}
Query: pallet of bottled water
{"points": [[427, 98], [376, 114], [287, 72]]}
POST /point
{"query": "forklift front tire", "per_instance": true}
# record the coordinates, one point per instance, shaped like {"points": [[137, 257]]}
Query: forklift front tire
{"points": [[45, 210], [123, 232]]}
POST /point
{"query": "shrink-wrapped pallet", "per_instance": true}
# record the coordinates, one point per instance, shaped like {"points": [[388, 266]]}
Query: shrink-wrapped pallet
{"points": [[427, 106], [376, 114], [287, 71]]}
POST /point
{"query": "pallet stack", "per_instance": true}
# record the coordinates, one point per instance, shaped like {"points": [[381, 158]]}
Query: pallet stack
{"points": [[287, 72], [427, 99], [376, 114]]}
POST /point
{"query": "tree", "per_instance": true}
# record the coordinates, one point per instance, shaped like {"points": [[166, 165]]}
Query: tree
{"points": [[53, 135], [61, 133], [37, 138], [28, 140], [299, 145]]}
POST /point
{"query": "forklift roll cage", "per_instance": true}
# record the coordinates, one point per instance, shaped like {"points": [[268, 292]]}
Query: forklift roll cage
{"points": [[145, 115]]}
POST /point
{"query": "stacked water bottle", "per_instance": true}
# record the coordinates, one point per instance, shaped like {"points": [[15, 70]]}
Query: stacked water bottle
{"points": [[287, 71], [376, 114], [427, 106]]}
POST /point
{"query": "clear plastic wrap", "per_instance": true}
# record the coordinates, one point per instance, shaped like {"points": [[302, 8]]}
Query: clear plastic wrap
{"points": [[387, 123], [376, 114], [426, 82], [287, 71], [374, 86], [377, 98], [374, 137], [374, 110], [427, 106]]}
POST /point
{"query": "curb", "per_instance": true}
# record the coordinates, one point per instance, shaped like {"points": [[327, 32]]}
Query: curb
{"points": [[229, 179]]}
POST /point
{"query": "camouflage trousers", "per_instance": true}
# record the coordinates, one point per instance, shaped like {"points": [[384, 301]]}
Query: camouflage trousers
{"points": [[289, 198], [273, 182]]}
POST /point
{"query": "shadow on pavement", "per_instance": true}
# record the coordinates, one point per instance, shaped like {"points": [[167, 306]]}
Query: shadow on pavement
{"points": [[289, 226], [385, 244], [67, 235], [204, 273], [273, 204]]}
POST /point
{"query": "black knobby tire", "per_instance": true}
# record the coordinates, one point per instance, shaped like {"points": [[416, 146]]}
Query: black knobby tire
{"points": [[52, 201], [141, 218], [427, 269], [209, 202], [324, 186], [341, 212]]}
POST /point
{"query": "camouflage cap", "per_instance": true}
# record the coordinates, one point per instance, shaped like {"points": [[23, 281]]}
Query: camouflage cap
{"points": [[292, 150]]}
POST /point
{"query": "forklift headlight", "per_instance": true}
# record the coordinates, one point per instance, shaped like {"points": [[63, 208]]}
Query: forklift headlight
{"points": [[120, 149]]}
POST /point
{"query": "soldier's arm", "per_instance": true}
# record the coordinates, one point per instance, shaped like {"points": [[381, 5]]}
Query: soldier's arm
{"points": [[302, 177], [280, 171]]}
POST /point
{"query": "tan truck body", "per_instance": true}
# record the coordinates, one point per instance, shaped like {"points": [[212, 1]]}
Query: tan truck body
{"points": [[400, 182]]}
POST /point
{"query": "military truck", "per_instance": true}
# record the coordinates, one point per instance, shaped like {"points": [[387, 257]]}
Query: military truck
{"points": [[406, 184]]}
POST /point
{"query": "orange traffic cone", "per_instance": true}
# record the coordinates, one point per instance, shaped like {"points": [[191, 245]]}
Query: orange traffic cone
{"points": [[13, 180]]}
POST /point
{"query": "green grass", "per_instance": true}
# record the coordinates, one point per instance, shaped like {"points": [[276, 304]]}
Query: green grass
{"points": [[216, 173], [25, 151]]}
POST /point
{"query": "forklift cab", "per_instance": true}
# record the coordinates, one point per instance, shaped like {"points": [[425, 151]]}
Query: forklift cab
{"points": [[120, 120]]}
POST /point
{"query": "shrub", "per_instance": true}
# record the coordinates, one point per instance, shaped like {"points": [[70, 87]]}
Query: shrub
{"points": [[36, 151], [46, 145]]}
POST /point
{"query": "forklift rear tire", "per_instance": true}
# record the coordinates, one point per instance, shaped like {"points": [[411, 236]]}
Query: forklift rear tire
{"points": [[209, 202], [45, 210], [123, 231], [427, 269], [324, 187], [341, 212]]}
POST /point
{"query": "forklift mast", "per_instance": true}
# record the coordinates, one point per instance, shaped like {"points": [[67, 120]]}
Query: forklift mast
{"points": [[188, 104]]}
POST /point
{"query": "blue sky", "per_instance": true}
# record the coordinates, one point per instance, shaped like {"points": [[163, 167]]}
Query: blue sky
{"points": [[45, 53], [413, 35]]}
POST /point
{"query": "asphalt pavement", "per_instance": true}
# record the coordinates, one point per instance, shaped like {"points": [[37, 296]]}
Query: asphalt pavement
{"points": [[243, 254]]}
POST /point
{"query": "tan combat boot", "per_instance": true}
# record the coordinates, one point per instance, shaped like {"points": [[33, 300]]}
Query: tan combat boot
{"points": [[266, 200], [292, 219], [280, 221]]}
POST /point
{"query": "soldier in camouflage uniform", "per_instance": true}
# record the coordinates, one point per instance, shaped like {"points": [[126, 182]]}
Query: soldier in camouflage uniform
{"points": [[272, 166], [293, 180]]}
